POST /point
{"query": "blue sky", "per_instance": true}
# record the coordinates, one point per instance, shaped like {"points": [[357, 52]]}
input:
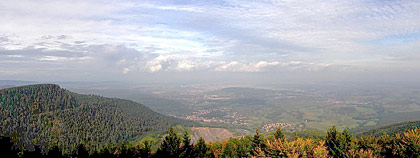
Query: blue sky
{"points": [[122, 39]]}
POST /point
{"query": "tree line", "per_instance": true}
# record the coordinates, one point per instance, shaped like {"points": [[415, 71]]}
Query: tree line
{"points": [[336, 144]]}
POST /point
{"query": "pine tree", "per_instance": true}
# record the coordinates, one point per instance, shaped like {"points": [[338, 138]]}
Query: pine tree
{"points": [[170, 145], [242, 146], [186, 150], [228, 151], [332, 141], [278, 134], [338, 143], [145, 149], [258, 141], [345, 140], [201, 148]]}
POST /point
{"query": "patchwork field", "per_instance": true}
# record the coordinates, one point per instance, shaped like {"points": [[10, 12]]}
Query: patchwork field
{"points": [[294, 108]]}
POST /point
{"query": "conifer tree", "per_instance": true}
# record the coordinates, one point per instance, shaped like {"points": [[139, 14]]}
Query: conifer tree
{"points": [[258, 141], [170, 145], [186, 150], [228, 151], [345, 140], [332, 141], [278, 134], [338, 143], [243, 146], [145, 149], [201, 148]]}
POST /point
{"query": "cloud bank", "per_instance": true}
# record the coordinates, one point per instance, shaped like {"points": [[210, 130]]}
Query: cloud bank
{"points": [[121, 37]]}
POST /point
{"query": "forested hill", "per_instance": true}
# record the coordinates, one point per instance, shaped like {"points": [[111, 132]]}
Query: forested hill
{"points": [[392, 129], [49, 116]]}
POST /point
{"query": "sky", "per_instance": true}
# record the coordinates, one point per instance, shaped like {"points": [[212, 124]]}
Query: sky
{"points": [[202, 40]]}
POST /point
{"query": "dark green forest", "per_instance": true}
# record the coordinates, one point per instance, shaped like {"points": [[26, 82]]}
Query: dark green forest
{"points": [[391, 129], [48, 116]]}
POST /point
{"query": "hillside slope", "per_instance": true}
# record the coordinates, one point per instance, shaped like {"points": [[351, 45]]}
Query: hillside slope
{"points": [[50, 116], [210, 134], [390, 129]]}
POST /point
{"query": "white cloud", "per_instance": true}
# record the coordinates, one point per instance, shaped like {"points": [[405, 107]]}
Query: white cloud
{"points": [[156, 64], [126, 70], [185, 66], [234, 36], [15, 56], [154, 67], [264, 66], [177, 8], [58, 58]]}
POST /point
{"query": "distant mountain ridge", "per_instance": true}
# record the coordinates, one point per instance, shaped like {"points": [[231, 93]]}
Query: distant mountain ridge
{"points": [[14, 83], [390, 129], [49, 116]]}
